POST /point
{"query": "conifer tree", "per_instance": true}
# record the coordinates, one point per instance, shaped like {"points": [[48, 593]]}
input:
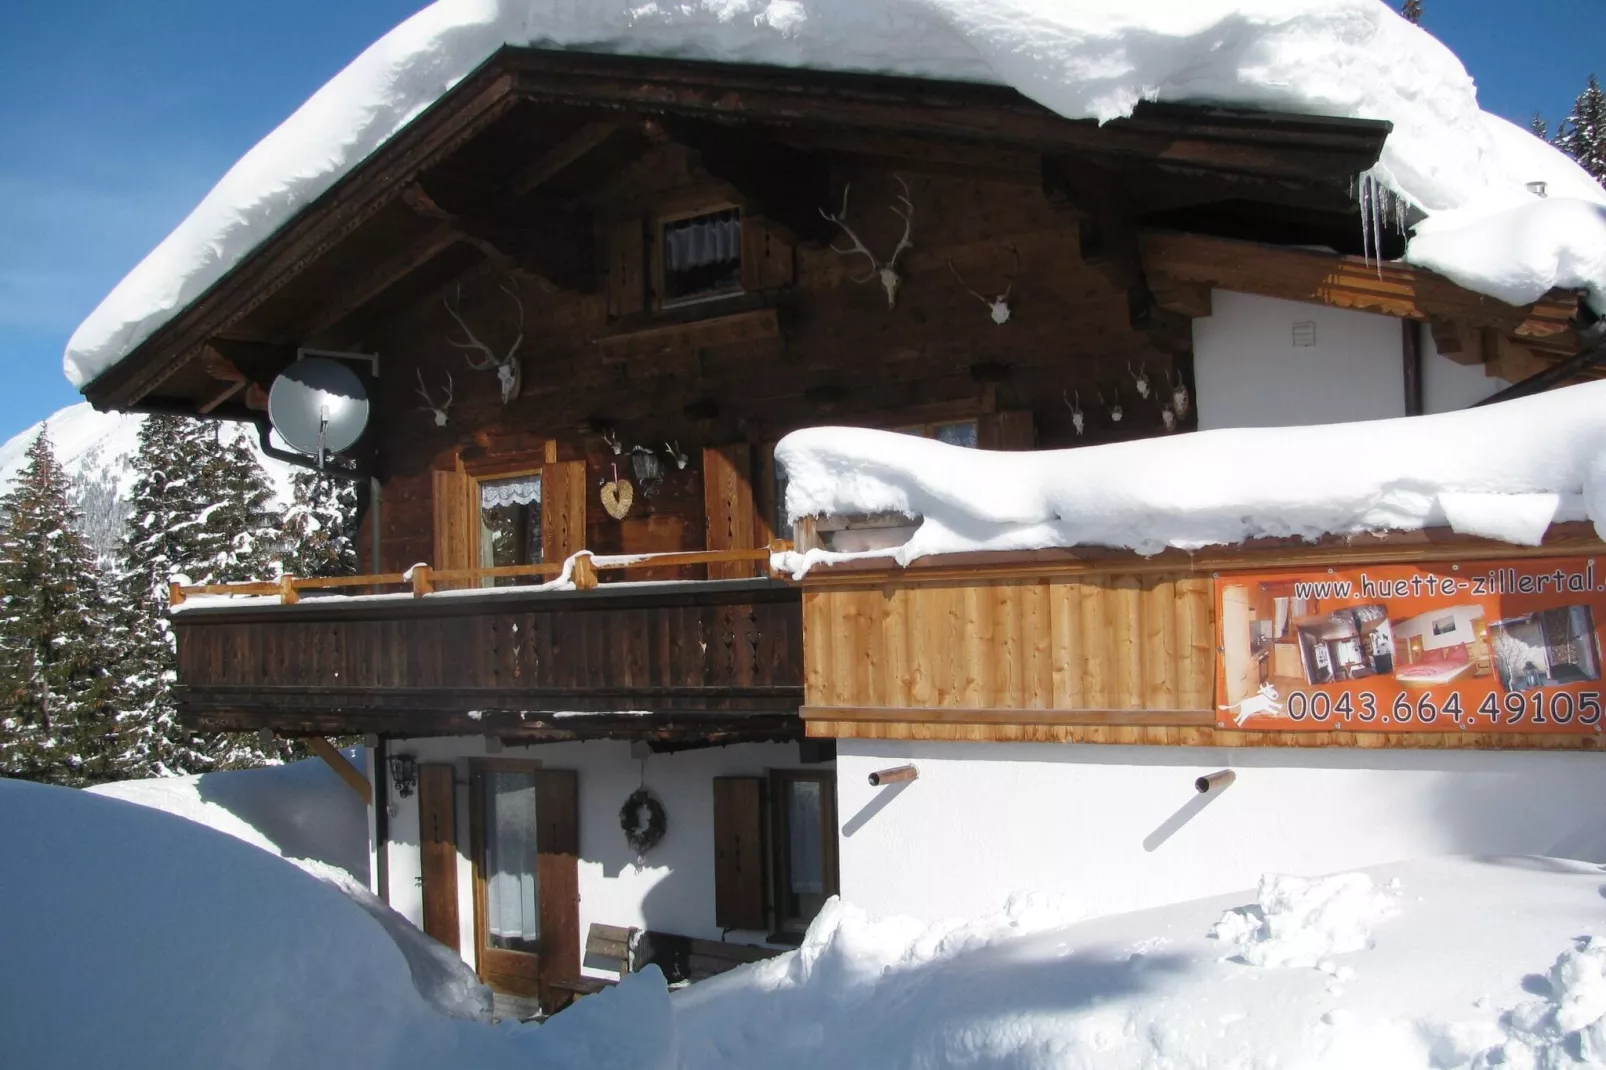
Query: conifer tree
{"points": [[1582, 135], [201, 508], [56, 714], [320, 526], [1540, 128], [1412, 10]]}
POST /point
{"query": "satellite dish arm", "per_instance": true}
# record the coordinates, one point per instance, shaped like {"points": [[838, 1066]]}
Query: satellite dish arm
{"points": [[353, 471]]}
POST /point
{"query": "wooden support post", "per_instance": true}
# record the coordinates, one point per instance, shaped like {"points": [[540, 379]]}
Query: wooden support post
{"points": [[584, 574], [897, 775], [175, 594], [421, 581], [1214, 781], [337, 761], [805, 535], [287, 590]]}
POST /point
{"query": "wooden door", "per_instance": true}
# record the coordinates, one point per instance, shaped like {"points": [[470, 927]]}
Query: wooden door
{"points": [[739, 853], [526, 876], [437, 850]]}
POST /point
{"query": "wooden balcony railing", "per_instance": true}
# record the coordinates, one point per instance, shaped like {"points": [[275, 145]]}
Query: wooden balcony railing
{"points": [[580, 569]]}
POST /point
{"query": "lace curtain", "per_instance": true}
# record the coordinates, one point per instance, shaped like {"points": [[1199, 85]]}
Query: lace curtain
{"points": [[510, 895], [522, 490], [713, 239]]}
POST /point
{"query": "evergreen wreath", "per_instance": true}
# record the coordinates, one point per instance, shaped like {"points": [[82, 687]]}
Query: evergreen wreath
{"points": [[642, 838]]}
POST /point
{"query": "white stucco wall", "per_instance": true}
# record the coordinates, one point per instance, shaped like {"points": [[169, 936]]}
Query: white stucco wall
{"points": [[1248, 371], [672, 892], [1121, 828]]}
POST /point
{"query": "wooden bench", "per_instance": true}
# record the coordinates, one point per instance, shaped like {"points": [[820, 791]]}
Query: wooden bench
{"points": [[610, 944], [681, 958]]}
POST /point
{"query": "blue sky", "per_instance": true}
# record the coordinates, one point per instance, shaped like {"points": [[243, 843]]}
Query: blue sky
{"points": [[118, 117]]}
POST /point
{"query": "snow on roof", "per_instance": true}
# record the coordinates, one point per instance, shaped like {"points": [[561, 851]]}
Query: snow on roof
{"points": [[1082, 58], [1506, 471]]}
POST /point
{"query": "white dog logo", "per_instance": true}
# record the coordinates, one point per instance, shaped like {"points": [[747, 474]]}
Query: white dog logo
{"points": [[1263, 702]]}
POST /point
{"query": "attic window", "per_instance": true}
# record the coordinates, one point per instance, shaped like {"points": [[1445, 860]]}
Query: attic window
{"points": [[701, 256]]}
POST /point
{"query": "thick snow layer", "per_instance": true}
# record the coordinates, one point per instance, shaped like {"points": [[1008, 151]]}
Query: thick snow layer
{"points": [[1457, 977], [1082, 58], [1505, 471], [301, 810], [87, 441], [195, 950], [1304, 921]]}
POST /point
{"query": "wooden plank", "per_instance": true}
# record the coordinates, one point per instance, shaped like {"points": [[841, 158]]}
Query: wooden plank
{"points": [[728, 506], [766, 256], [627, 268], [355, 779], [563, 509], [437, 850], [559, 157], [456, 541], [739, 860], [557, 813], [1005, 715]]}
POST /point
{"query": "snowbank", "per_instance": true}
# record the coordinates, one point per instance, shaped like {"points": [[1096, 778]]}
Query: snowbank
{"points": [[1084, 59], [195, 950], [1449, 981], [301, 810], [1506, 471]]}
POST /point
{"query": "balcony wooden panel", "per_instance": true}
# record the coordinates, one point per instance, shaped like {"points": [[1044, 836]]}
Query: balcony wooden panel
{"points": [[708, 660]]}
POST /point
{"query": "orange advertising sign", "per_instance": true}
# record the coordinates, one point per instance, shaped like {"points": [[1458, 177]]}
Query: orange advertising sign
{"points": [[1490, 646]]}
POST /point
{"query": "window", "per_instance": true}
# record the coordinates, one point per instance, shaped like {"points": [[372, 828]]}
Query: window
{"points": [[512, 900], [510, 521], [803, 846], [700, 256], [953, 432]]}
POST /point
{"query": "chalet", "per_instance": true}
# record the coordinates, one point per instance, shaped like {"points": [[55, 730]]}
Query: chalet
{"points": [[587, 295]]}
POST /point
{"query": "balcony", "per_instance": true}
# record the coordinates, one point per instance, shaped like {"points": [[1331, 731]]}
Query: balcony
{"points": [[711, 661]]}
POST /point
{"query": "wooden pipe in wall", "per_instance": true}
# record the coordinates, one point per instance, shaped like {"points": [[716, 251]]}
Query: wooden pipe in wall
{"points": [[893, 776]]}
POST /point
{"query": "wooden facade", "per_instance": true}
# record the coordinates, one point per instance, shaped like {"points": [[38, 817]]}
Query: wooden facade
{"points": [[1080, 646], [534, 210]]}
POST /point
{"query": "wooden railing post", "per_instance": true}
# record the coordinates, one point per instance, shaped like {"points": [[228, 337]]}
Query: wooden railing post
{"points": [[175, 594], [287, 590], [584, 575], [421, 581]]}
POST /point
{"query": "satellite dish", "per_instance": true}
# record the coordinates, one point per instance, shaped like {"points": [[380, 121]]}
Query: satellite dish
{"points": [[318, 406]]}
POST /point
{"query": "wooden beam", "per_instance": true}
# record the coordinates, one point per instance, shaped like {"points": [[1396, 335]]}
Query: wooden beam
{"points": [[967, 715], [228, 391], [555, 245], [561, 156], [378, 278], [353, 776], [1389, 289]]}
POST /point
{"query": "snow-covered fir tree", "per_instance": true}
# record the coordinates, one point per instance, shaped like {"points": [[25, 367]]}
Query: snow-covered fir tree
{"points": [[1582, 135], [101, 509], [201, 508], [1540, 128], [56, 714], [321, 526], [1412, 10]]}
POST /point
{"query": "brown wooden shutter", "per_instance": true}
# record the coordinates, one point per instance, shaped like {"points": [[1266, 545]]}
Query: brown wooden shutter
{"points": [[557, 869], [728, 505], [766, 256], [563, 509], [739, 853], [437, 850], [1011, 429], [627, 268], [456, 529]]}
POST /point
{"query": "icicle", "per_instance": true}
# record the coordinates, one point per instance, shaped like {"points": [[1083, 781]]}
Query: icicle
{"points": [[1365, 199]]}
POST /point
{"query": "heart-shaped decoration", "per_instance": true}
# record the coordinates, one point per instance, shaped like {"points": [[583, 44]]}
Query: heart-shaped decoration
{"points": [[618, 497]]}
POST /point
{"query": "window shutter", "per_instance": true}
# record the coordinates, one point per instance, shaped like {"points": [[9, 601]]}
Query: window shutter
{"points": [[437, 849], [455, 528], [563, 509], [728, 505], [627, 264], [1011, 429], [557, 868], [739, 853], [766, 256]]}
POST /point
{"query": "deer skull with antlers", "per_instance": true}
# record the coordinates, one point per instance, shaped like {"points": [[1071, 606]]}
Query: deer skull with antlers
{"points": [[887, 272], [430, 405], [509, 370], [997, 307]]}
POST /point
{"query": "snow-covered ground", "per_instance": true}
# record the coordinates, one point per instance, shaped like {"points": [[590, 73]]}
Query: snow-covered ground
{"points": [[137, 939], [1506, 471], [1469, 171]]}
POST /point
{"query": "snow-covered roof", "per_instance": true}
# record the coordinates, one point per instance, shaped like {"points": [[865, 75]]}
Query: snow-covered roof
{"points": [[1097, 59], [1505, 471]]}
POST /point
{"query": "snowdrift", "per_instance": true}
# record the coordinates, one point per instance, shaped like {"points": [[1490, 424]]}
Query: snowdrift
{"points": [[1441, 963], [140, 940], [1506, 471], [1082, 58]]}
